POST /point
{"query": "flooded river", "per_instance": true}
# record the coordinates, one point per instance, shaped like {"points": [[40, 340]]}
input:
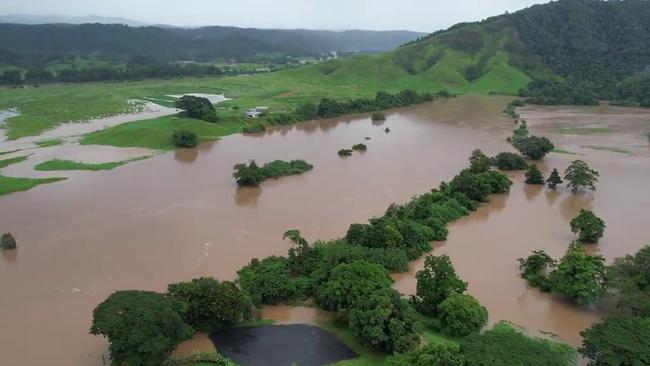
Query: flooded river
{"points": [[180, 215]]}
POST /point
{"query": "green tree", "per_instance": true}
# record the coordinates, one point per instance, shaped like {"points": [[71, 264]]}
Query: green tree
{"points": [[471, 185], [348, 282], [617, 341], [142, 327], [269, 281], [629, 281], [554, 179], [480, 162], [510, 161], [536, 268], [185, 138], [7, 241], [580, 276], [435, 283], [198, 107], [383, 319], [534, 176], [461, 314], [248, 175], [442, 354], [210, 305], [533, 147], [588, 226], [580, 176]]}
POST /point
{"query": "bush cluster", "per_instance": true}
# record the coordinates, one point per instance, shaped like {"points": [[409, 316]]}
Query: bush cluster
{"points": [[252, 174]]}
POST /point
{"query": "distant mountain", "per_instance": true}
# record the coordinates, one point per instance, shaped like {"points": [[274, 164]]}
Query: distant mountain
{"points": [[589, 44], [66, 19], [24, 42]]}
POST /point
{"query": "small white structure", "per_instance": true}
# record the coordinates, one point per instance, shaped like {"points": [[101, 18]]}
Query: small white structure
{"points": [[256, 112]]}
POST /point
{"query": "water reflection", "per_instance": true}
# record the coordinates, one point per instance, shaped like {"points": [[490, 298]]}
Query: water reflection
{"points": [[247, 196], [532, 190], [186, 155], [572, 204], [10, 255]]}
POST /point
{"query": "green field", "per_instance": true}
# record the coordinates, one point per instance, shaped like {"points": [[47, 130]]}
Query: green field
{"points": [[6, 162], [10, 185], [57, 164]]}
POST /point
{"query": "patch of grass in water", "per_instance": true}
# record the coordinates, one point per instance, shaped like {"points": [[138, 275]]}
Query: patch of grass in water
{"points": [[5, 163], [608, 148], [58, 164], [584, 130], [157, 133], [10, 184], [255, 323], [8, 152], [562, 151], [48, 143]]}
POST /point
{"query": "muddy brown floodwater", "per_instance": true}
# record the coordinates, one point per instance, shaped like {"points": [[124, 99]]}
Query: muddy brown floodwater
{"points": [[179, 216]]}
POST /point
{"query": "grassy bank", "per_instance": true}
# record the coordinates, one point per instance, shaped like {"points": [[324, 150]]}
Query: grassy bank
{"points": [[57, 164]]}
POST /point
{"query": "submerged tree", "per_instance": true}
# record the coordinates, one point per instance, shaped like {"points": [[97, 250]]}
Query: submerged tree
{"points": [[579, 276], [554, 179], [588, 226], [7, 241], [533, 147], [248, 175], [629, 280], [536, 268], [534, 176], [579, 176]]}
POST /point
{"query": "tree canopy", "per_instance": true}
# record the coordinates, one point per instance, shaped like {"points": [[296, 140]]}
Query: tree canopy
{"points": [[436, 282], [580, 176], [618, 341], [142, 327], [588, 226], [579, 276], [461, 314]]}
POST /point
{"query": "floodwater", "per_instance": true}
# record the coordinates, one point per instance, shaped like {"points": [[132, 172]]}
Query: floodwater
{"points": [[281, 345], [180, 215]]}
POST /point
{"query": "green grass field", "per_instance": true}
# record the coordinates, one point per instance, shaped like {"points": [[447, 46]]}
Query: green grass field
{"points": [[10, 185], [6, 162], [57, 164], [157, 133]]}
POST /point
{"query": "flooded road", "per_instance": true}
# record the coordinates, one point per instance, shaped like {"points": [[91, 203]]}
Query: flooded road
{"points": [[178, 216]]}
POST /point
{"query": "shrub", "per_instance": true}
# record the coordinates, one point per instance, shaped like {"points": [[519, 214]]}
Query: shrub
{"points": [[554, 179], [504, 345], [479, 162], [443, 354], [378, 116], [252, 174], [213, 358], [7, 241], [345, 152], [185, 138], [258, 128], [471, 185], [461, 314], [588, 226], [359, 147], [510, 161], [248, 175]]}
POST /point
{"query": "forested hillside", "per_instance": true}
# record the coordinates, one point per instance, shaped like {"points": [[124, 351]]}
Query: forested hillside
{"points": [[576, 50], [173, 44]]}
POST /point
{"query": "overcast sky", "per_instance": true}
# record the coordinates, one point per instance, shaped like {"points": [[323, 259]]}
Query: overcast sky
{"points": [[418, 15]]}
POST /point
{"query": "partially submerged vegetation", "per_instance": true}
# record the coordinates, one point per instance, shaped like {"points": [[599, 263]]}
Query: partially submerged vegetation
{"points": [[58, 164], [7, 241], [351, 277], [252, 174]]}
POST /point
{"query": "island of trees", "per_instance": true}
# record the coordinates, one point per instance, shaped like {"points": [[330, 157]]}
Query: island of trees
{"points": [[252, 174]]}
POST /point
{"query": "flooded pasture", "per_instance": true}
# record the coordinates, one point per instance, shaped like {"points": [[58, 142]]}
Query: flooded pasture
{"points": [[180, 215]]}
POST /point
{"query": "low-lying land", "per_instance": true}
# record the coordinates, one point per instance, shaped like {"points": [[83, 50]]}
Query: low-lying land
{"points": [[58, 164]]}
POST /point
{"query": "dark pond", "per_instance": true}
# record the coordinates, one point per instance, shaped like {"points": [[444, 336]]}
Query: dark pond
{"points": [[281, 345]]}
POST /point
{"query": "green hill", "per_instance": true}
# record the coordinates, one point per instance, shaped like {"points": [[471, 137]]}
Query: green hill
{"points": [[590, 43]]}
